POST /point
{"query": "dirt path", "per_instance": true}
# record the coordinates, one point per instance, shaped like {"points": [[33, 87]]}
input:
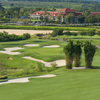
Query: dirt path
{"points": [[25, 79]]}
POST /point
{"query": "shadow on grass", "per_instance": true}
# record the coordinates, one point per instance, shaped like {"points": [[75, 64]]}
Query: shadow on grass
{"points": [[95, 67], [39, 41]]}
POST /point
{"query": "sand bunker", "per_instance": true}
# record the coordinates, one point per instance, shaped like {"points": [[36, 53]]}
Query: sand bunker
{"points": [[21, 31], [31, 45], [58, 62], [51, 46], [48, 64], [78, 67], [9, 50], [22, 80], [98, 46]]}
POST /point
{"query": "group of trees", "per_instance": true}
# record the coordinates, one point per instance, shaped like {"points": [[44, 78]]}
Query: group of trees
{"points": [[68, 33], [85, 18], [73, 51], [4, 36]]}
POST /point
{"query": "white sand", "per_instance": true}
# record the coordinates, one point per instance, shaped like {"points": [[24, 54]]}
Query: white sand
{"points": [[79, 68], [47, 64], [20, 31], [51, 46], [22, 80], [98, 46], [31, 45], [9, 50], [58, 62]]}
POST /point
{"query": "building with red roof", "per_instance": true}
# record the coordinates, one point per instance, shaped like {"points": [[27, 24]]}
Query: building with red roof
{"points": [[61, 12]]}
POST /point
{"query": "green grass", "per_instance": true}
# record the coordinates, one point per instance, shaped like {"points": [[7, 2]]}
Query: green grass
{"points": [[46, 27], [78, 37], [68, 84]]}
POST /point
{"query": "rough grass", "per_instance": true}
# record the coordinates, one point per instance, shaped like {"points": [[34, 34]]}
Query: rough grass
{"points": [[46, 28]]}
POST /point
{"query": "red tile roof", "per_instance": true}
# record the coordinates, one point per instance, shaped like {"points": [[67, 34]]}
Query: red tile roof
{"points": [[95, 13], [77, 14], [66, 10], [38, 12]]}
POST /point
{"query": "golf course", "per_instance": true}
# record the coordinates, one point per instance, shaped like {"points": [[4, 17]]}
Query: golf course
{"points": [[21, 60]]}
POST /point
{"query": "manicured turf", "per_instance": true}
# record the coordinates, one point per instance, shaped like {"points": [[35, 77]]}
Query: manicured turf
{"points": [[67, 85]]}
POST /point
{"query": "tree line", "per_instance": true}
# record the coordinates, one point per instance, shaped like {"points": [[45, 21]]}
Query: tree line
{"points": [[91, 33], [4, 36]]}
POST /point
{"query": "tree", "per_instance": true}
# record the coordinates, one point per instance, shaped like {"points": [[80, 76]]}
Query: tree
{"points": [[98, 18], [59, 18], [77, 54], [98, 32], [69, 18], [54, 9], [91, 33], [89, 51], [57, 32], [86, 13], [83, 33], [80, 19], [41, 18], [46, 19], [68, 50], [90, 19]]}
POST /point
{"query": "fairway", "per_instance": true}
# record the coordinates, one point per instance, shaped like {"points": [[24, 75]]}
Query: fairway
{"points": [[70, 85], [77, 84]]}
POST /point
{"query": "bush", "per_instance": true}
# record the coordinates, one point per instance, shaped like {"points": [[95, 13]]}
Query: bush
{"points": [[4, 36], [3, 77], [39, 67], [26, 36], [83, 33], [74, 34], [57, 32], [91, 33], [67, 33], [98, 33], [53, 65]]}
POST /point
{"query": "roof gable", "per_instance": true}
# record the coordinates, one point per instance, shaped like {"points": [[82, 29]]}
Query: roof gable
{"points": [[66, 10]]}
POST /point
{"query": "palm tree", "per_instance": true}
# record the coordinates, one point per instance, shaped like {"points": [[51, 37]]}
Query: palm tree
{"points": [[68, 50], [89, 51], [77, 54]]}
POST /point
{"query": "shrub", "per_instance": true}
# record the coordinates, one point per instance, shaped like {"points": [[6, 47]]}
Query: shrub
{"points": [[98, 33], [4, 77], [91, 33], [39, 67], [53, 65], [26, 36], [67, 33], [57, 32], [83, 33], [4, 36], [74, 34]]}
